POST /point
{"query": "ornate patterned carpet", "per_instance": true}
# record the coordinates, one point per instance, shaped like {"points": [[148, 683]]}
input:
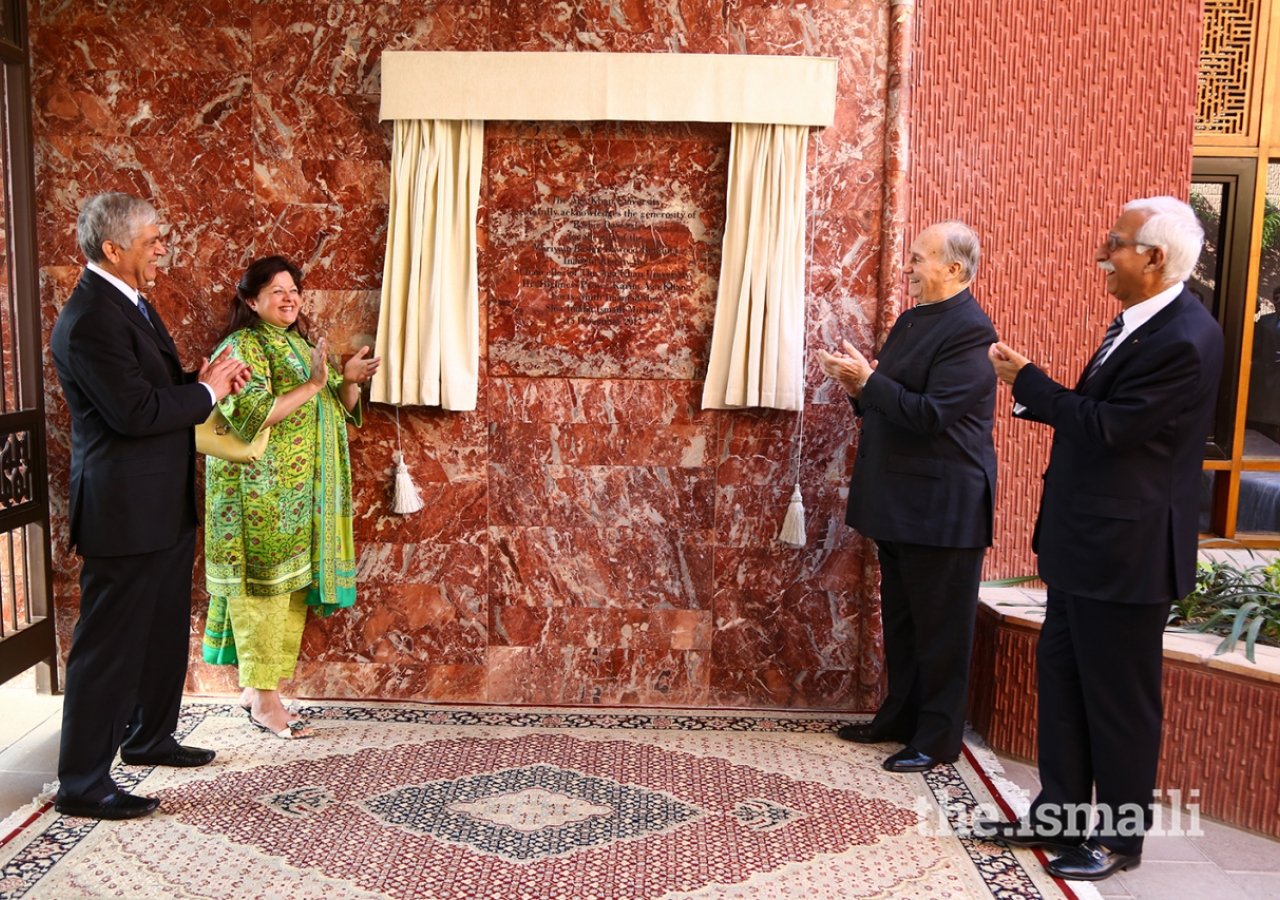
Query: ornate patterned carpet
{"points": [[396, 802]]}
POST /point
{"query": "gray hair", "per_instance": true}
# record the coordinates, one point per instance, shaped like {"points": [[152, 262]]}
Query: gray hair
{"points": [[111, 217], [960, 245], [1172, 226]]}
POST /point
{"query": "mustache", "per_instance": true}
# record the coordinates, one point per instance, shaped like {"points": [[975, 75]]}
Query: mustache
{"points": [[1107, 266]]}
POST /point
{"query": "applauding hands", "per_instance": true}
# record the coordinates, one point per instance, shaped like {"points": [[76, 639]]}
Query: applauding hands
{"points": [[225, 375], [361, 367], [850, 368]]}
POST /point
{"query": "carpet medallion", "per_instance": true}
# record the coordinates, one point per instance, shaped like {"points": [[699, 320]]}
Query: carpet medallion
{"points": [[415, 803]]}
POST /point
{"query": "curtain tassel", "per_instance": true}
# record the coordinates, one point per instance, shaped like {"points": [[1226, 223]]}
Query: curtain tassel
{"points": [[792, 533], [406, 498]]}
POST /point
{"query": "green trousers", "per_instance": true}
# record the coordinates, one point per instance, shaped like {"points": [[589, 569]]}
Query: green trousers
{"points": [[268, 635]]}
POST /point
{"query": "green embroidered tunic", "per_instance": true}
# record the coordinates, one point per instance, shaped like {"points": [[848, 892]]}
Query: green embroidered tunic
{"points": [[283, 523]]}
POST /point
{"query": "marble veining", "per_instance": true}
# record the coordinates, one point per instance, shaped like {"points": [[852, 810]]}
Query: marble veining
{"points": [[591, 534]]}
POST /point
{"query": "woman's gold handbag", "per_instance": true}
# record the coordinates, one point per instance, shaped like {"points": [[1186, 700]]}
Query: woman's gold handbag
{"points": [[217, 438]]}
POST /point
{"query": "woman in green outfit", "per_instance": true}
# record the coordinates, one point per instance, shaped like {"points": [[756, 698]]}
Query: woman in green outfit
{"points": [[278, 532]]}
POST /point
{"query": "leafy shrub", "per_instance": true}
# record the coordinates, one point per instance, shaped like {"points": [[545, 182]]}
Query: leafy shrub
{"points": [[1233, 600]]}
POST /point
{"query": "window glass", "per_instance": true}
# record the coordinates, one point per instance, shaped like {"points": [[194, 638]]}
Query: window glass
{"points": [[1262, 421], [1259, 509], [1217, 279], [1209, 200]]}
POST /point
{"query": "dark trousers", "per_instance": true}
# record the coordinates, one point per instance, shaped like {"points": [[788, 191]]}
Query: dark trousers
{"points": [[928, 602], [1099, 667], [127, 665]]}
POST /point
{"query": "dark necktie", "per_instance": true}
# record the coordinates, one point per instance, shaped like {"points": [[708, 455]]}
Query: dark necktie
{"points": [[1113, 332], [142, 308]]}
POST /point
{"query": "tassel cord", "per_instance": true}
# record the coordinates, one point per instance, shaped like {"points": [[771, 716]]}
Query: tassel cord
{"points": [[793, 525]]}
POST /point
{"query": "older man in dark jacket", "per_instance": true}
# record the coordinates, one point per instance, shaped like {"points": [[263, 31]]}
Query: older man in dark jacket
{"points": [[1116, 537], [923, 488]]}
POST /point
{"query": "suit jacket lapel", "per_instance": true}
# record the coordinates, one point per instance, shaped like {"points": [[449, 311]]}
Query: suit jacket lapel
{"points": [[156, 331], [157, 323], [1102, 382]]}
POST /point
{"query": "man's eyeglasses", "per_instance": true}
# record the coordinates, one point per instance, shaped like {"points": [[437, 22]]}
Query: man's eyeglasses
{"points": [[1113, 242]]}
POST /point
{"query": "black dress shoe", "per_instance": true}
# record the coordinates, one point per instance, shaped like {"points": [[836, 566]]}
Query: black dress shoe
{"points": [[1021, 834], [1091, 861], [909, 759], [120, 805], [865, 733], [179, 757]]}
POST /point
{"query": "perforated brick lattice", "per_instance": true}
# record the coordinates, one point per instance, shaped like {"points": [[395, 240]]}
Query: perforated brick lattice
{"points": [[1226, 66], [1035, 129]]}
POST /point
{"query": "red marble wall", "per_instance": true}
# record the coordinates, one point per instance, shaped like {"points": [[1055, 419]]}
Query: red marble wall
{"points": [[1035, 129], [586, 539]]}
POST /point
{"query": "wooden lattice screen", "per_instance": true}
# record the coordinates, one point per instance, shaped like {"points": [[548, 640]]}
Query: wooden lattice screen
{"points": [[1228, 63]]}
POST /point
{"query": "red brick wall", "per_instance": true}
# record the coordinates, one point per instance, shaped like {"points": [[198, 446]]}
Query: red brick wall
{"points": [[1002, 685], [1221, 732], [1034, 124]]}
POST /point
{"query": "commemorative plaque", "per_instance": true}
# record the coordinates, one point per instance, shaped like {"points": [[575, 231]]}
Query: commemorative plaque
{"points": [[602, 255]]}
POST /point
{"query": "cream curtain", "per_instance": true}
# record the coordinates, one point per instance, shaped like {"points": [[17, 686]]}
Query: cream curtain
{"points": [[429, 318], [757, 344]]}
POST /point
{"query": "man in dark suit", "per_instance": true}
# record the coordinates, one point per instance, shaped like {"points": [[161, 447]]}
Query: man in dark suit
{"points": [[133, 510], [923, 487], [1116, 538]]}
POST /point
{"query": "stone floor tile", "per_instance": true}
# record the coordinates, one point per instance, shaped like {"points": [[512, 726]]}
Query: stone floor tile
{"points": [[1234, 849], [23, 711], [1172, 849], [17, 789], [1258, 885], [1023, 775], [1161, 880], [1114, 888], [36, 751]]}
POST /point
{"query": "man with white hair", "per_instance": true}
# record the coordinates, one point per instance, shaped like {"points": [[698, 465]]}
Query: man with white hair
{"points": [[1116, 538], [922, 488], [133, 510]]}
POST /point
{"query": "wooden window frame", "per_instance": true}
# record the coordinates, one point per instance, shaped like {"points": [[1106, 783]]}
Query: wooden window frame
{"points": [[33, 643]]}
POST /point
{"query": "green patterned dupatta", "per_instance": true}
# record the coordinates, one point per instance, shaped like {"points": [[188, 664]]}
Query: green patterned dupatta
{"points": [[284, 523], [219, 645], [333, 552]]}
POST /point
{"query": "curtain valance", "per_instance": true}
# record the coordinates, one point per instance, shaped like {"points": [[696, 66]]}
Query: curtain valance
{"points": [[595, 87]]}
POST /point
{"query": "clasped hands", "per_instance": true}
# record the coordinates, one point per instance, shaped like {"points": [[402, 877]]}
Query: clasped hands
{"points": [[225, 375], [1006, 361], [850, 368]]}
